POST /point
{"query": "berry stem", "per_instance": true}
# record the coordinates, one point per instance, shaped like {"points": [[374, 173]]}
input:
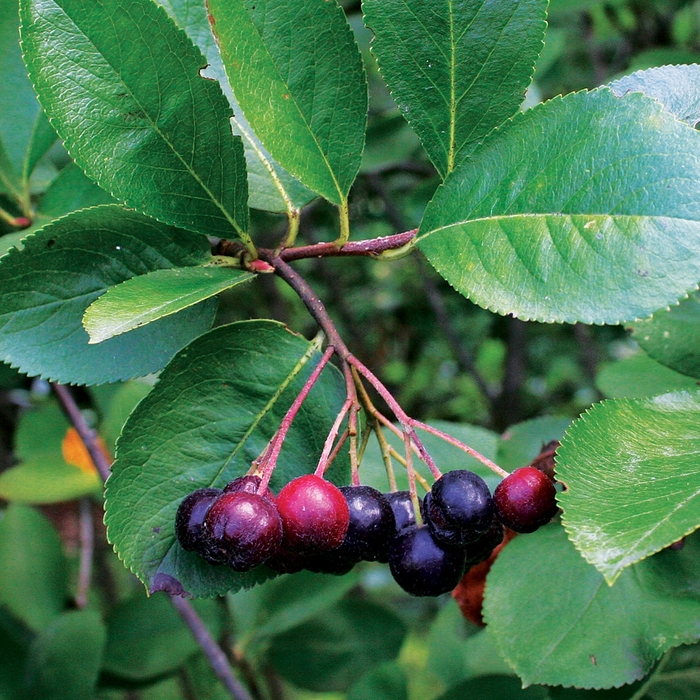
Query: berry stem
{"points": [[386, 455], [323, 460], [87, 549], [412, 478], [269, 460]]}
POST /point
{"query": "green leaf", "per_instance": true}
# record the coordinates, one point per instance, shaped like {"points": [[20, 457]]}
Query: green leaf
{"points": [[146, 298], [490, 687], [639, 376], [119, 406], [521, 443], [456, 69], [71, 190], [329, 652], [14, 642], [25, 134], [384, 682], [65, 659], [578, 210], [146, 637], [633, 486], [46, 287], [157, 136], [211, 414], [676, 87], [679, 677], [309, 107], [671, 336], [270, 187], [580, 631], [33, 582]]}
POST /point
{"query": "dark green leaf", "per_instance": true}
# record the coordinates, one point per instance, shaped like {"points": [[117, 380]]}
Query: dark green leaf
{"points": [[492, 687], [672, 336], [456, 69], [678, 676], [270, 187], [146, 637], [65, 658], [119, 407], [521, 443], [309, 107], [385, 682], [46, 287], [580, 209], [639, 376], [633, 484], [71, 190], [157, 135], [676, 87], [579, 630], [13, 652], [33, 581], [332, 650], [146, 298], [211, 414]]}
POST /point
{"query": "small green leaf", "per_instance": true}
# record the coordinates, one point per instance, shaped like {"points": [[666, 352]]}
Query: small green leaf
{"points": [[270, 187], [456, 69], [384, 682], [33, 584], [672, 336], [309, 107], [146, 298], [119, 406], [46, 287], [210, 415], [676, 87], [157, 136], [580, 631], [146, 637], [71, 190], [639, 376], [633, 486], [329, 652], [65, 659], [577, 210], [521, 443]]}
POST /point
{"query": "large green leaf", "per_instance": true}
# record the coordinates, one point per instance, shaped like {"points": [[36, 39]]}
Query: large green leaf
{"points": [[672, 336], [270, 187], [632, 477], [33, 585], [676, 87], [146, 298], [580, 209], [456, 69], [211, 414], [136, 115], [65, 659], [522, 442], [46, 287], [297, 73], [578, 630], [332, 650], [25, 134]]}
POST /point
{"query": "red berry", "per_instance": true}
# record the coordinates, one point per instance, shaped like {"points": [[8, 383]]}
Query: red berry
{"points": [[243, 529], [314, 514], [525, 500]]}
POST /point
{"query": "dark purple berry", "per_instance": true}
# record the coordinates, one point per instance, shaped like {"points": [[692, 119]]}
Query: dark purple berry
{"points": [[372, 525], [440, 529], [329, 563], [244, 529], [463, 501], [525, 500], [483, 547], [249, 484], [283, 561], [190, 516], [422, 566], [402, 505]]}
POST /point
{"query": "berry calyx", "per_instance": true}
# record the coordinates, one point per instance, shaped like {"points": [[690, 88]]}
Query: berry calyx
{"points": [[315, 514], [243, 529], [525, 500], [250, 484], [422, 566], [190, 517]]}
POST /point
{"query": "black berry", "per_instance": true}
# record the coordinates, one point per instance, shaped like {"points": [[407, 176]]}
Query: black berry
{"points": [[190, 516], [402, 505], [525, 500], [460, 500]]}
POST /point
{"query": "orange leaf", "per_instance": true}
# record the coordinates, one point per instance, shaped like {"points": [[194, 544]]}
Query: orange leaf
{"points": [[75, 452]]}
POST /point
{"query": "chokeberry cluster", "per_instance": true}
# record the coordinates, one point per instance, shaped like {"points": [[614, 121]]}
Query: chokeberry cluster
{"points": [[311, 524]]}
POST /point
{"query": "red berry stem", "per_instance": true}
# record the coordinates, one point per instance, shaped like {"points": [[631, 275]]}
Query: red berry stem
{"points": [[269, 459], [412, 477], [323, 460]]}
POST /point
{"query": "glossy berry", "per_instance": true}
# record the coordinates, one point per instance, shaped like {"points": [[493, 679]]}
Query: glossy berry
{"points": [[461, 500], [422, 566], [190, 516], [481, 549], [243, 529], [525, 500], [249, 484], [402, 505], [372, 525], [314, 513]]}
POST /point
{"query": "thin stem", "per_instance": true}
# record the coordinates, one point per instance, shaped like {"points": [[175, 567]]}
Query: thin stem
{"points": [[402, 461], [412, 478], [369, 248], [323, 460], [293, 218], [344, 217], [87, 549], [385, 447], [216, 657], [338, 447], [269, 460]]}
